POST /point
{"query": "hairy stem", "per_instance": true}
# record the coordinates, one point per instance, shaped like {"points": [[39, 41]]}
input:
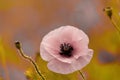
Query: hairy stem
{"points": [[115, 25], [109, 12], [18, 46], [81, 75]]}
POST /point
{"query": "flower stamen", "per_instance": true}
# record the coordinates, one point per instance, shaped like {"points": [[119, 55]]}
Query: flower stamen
{"points": [[66, 49]]}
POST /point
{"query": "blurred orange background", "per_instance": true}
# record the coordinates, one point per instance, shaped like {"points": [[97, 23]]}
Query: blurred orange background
{"points": [[28, 21]]}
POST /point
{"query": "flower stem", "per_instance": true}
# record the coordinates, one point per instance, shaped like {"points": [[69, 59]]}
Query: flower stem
{"points": [[109, 13], [18, 46], [81, 75], [115, 25]]}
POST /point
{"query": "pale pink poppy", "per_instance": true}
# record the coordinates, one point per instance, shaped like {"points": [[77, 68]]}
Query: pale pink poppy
{"points": [[66, 49]]}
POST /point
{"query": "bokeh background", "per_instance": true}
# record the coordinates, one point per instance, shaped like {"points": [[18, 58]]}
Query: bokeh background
{"points": [[28, 21]]}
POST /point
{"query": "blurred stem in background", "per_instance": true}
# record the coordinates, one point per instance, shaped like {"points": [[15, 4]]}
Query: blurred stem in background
{"points": [[114, 17], [82, 75], [18, 46], [3, 60]]}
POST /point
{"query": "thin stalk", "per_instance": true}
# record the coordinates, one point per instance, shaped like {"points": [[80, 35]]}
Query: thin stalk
{"points": [[115, 25], [81, 75], [109, 12], [18, 46]]}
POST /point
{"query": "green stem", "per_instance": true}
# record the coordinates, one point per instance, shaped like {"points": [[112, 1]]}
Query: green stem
{"points": [[115, 25], [109, 12], [81, 75], [18, 46]]}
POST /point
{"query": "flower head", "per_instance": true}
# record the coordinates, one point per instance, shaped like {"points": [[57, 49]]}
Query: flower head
{"points": [[66, 49]]}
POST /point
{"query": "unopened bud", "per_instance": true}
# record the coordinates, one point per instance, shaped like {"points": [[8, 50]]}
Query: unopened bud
{"points": [[108, 11], [18, 45]]}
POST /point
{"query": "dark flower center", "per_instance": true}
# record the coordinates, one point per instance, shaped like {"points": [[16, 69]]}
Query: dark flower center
{"points": [[66, 49]]}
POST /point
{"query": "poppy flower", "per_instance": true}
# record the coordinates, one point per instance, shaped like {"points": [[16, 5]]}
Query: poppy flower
{"points": [[66, 49]]}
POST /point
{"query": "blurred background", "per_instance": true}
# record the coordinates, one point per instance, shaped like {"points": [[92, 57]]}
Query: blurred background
{"points": [[28, 21]]}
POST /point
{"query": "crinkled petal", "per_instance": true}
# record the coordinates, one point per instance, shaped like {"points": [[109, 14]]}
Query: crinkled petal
{"points": [[60, 67], [82, 60], [44, 54], [66, 68], [80, 48], [58, 56], [65, 34], [71, 34]]}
